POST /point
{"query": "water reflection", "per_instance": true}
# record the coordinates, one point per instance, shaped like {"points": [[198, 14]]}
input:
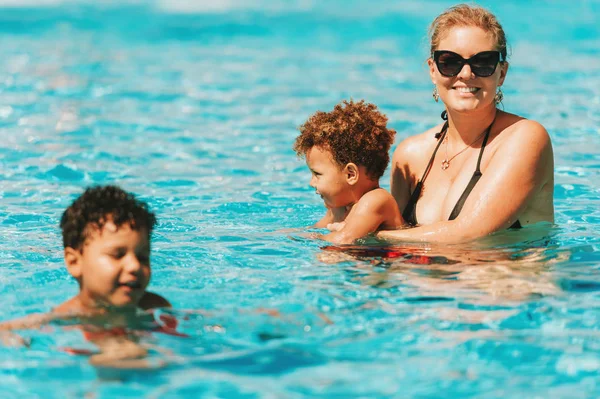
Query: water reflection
{"points": [[511, 265]]}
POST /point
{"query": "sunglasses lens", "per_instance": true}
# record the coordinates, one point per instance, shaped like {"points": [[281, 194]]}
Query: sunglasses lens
{"points": [[450, 64], [484, 64]]}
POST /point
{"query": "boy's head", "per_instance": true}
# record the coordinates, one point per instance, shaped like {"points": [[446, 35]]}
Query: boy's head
{"points": [[351, 142], [106, 234]]}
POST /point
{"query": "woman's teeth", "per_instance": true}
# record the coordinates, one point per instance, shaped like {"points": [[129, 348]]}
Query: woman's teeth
{"points": [[467, 89]]}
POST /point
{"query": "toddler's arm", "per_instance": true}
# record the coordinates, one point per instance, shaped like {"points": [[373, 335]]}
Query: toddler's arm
{"points": [[372, 211], [327, 219]]}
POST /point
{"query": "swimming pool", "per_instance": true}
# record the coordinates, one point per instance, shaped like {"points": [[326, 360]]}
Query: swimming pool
{"points": [[195, 108]]}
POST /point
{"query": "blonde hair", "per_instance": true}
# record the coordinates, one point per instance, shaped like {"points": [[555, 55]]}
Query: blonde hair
{"points": [[467, 15]]}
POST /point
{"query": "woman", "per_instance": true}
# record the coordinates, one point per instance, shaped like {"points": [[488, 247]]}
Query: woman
{"points": [[483, 170]]}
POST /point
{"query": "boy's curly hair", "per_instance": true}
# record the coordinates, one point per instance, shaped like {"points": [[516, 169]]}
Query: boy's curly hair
{"points": [[353, 132], [97, 205]]}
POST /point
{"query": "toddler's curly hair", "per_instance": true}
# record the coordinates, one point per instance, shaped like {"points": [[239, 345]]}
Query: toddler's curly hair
{"points": [[96, 206], [353, 132]]}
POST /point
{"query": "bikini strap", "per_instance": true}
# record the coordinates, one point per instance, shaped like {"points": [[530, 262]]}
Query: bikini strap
{"points": [[440, 136], [483, 144], [474, 179], [409, 211]]}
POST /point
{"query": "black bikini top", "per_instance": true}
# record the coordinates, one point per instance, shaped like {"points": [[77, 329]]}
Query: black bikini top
{"points": [[410, 211]]}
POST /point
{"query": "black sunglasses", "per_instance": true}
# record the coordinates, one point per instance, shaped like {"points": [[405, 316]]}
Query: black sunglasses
{"points": [[482, 64]]}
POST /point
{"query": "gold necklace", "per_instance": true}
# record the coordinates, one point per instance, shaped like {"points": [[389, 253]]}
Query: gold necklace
{"points": [[446, 161]]}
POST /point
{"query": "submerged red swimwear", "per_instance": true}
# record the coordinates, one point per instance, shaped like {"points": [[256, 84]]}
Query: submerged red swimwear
{"points": [[389, 253], [168, 326]]}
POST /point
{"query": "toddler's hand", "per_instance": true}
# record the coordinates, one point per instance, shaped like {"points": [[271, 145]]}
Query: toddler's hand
{"points": [[336, 226]]}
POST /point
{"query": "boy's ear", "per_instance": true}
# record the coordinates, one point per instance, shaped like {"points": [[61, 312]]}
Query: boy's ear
{"points": [[352, 173], [73, 262]]}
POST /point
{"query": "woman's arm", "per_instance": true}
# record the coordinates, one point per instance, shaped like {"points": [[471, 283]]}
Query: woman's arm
{"points": [[516, 174], [401, 178]]}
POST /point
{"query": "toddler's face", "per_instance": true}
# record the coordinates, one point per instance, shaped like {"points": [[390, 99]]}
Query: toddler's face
{"points": [[328, 178], [114, 266]]}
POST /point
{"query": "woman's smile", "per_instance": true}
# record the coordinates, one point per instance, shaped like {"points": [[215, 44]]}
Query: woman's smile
{"points": [[466, 90]]}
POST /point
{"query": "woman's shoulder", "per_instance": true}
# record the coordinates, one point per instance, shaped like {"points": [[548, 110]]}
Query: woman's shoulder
{"points": [[416, 146], [524, 131], [512, 122]]}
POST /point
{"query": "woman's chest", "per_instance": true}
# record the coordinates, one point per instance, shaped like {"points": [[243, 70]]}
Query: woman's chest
{"points": [[444, 187]]}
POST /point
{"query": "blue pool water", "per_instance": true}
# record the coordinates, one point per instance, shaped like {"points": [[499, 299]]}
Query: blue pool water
{"points": [[195, 108]]}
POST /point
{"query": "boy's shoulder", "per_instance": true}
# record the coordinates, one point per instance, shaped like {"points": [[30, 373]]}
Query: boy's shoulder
{"points": [[73, 306], [70, 306], [151, 300]]}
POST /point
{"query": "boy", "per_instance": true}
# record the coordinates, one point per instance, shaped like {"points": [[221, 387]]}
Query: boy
{"points": [[106, 237], [347, 151]]}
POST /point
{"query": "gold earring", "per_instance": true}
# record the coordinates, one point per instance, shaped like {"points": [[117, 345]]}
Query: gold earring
{"points": [[435, 94], [499, 96]]}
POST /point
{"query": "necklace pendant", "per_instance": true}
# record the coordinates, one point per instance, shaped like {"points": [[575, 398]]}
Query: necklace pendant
{"points": [[445, 164]]}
